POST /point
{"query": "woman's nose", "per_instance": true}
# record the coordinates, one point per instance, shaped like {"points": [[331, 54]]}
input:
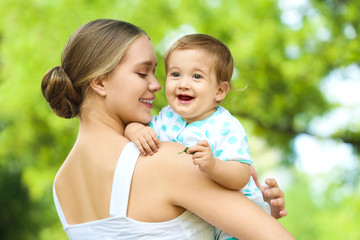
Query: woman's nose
{"points": [[154, 85]]}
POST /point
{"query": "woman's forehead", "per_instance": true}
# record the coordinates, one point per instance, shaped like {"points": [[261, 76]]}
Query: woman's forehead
{"points": [[141, 51]]}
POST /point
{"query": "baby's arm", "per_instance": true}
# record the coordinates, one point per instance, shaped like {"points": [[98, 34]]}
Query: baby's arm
{"points": [[144, 137], [230, 174]]}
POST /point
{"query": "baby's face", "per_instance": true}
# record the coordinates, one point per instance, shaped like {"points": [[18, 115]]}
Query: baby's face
{"points": [[192, 89]]}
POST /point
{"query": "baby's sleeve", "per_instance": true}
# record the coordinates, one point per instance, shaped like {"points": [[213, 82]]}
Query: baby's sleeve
{"points": [[159, 124], [231, 142], [154, 123]]}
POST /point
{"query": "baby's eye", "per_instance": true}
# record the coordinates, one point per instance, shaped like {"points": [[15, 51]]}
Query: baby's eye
{"points": [[197, 76], [175, 74]]}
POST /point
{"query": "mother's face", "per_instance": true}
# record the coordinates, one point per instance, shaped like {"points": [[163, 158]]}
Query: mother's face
{"points": [[131, 86]]}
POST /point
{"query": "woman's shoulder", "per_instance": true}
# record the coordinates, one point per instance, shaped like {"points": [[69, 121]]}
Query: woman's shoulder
{"points": [[169, 154], [170, 162]]}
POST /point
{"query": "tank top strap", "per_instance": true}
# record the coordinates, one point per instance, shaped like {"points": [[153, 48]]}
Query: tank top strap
{"points": [[58, 208], [122, 180]]}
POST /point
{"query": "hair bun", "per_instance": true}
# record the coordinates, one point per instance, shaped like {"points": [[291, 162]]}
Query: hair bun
{"points": [[60, 93]]}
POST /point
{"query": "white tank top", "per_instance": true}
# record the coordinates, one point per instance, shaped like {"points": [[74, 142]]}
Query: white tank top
{"points": [[119, 226]]}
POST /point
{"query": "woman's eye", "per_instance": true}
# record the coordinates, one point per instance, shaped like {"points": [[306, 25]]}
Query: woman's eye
{"points": [[143, 75], [197, 76]]}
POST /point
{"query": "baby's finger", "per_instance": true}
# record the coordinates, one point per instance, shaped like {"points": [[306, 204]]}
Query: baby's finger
{"points": [[193, 149], [150, 142], [155, 138], [140, 147], [196, 156], [203, 143], [146, 146]]}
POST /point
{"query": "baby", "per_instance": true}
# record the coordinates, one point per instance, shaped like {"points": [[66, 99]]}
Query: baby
{"points": [[198, 74]]}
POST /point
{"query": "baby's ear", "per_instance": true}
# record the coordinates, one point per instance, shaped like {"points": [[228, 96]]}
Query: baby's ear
{"points": [[97, 85], [223, 89]]}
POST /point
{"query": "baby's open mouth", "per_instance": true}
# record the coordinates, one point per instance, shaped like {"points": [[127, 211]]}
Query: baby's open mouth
{"points": [[185, 97]]}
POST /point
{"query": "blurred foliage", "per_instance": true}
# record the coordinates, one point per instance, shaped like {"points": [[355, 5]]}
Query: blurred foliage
{"points": [[280, 65]]}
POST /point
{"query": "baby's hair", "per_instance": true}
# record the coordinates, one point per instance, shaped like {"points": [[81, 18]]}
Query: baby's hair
{"points": [[92, 51], [223, 60]]}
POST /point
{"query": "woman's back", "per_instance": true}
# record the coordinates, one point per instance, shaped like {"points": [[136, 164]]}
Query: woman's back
{"points": [[111, 217]]}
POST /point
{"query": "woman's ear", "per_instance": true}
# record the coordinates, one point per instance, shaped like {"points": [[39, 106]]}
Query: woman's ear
{"points": [[97, 85], [223, 89]]}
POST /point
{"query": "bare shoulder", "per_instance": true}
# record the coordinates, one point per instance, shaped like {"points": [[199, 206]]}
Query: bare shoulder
{"points": [[174, 167], [173, 160]]}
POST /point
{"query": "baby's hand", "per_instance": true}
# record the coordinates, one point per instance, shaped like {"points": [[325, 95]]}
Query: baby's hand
{"points": [[272, 195], [146, 140], [275, 197], [202, 156]]}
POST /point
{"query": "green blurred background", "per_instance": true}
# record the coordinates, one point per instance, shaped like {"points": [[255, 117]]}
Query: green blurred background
{"points": [[298, 60]]}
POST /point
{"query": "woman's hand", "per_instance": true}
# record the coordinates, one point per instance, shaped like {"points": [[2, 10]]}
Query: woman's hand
{"points": [[272, 195]]}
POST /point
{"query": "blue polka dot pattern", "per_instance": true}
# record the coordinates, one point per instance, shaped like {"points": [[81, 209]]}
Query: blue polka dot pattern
{"points": [[218, 153], [180, 138], [226, 124], [240, 151], [232, 140], [207, 134], [197, 124], [225, 131], [163, 127], [211, 121], [198, 134], [151, 125], [245, 139], [248, 151], [175, 128], [180, 120], [169, 114]]}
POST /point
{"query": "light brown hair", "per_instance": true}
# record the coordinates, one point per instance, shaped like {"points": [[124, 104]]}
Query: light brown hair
{"points": [[223, 60], [92, 51]]}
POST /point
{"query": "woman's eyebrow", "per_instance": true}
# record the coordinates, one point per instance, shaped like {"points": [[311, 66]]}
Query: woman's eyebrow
{"points": [[147, 63]]}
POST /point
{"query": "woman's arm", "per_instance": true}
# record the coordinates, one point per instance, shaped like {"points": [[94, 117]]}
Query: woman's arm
{"points": [[228, 210]]}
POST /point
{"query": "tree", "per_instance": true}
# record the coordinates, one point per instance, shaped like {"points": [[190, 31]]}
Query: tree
{"points": [[279, 62]]}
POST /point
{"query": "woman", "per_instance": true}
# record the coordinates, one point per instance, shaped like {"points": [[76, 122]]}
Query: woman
{"points": [[104, 189]]}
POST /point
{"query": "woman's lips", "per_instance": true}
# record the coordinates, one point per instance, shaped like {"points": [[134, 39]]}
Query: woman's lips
{"points": [[147, 102]]}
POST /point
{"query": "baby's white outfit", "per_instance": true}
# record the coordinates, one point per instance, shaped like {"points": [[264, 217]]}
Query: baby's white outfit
{"points": [[118, 226], [224, 133]]}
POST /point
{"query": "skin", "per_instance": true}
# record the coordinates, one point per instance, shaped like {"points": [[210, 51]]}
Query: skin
{"points": [[194, 92], [190, 73], [163, 184], [192, 89]]}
